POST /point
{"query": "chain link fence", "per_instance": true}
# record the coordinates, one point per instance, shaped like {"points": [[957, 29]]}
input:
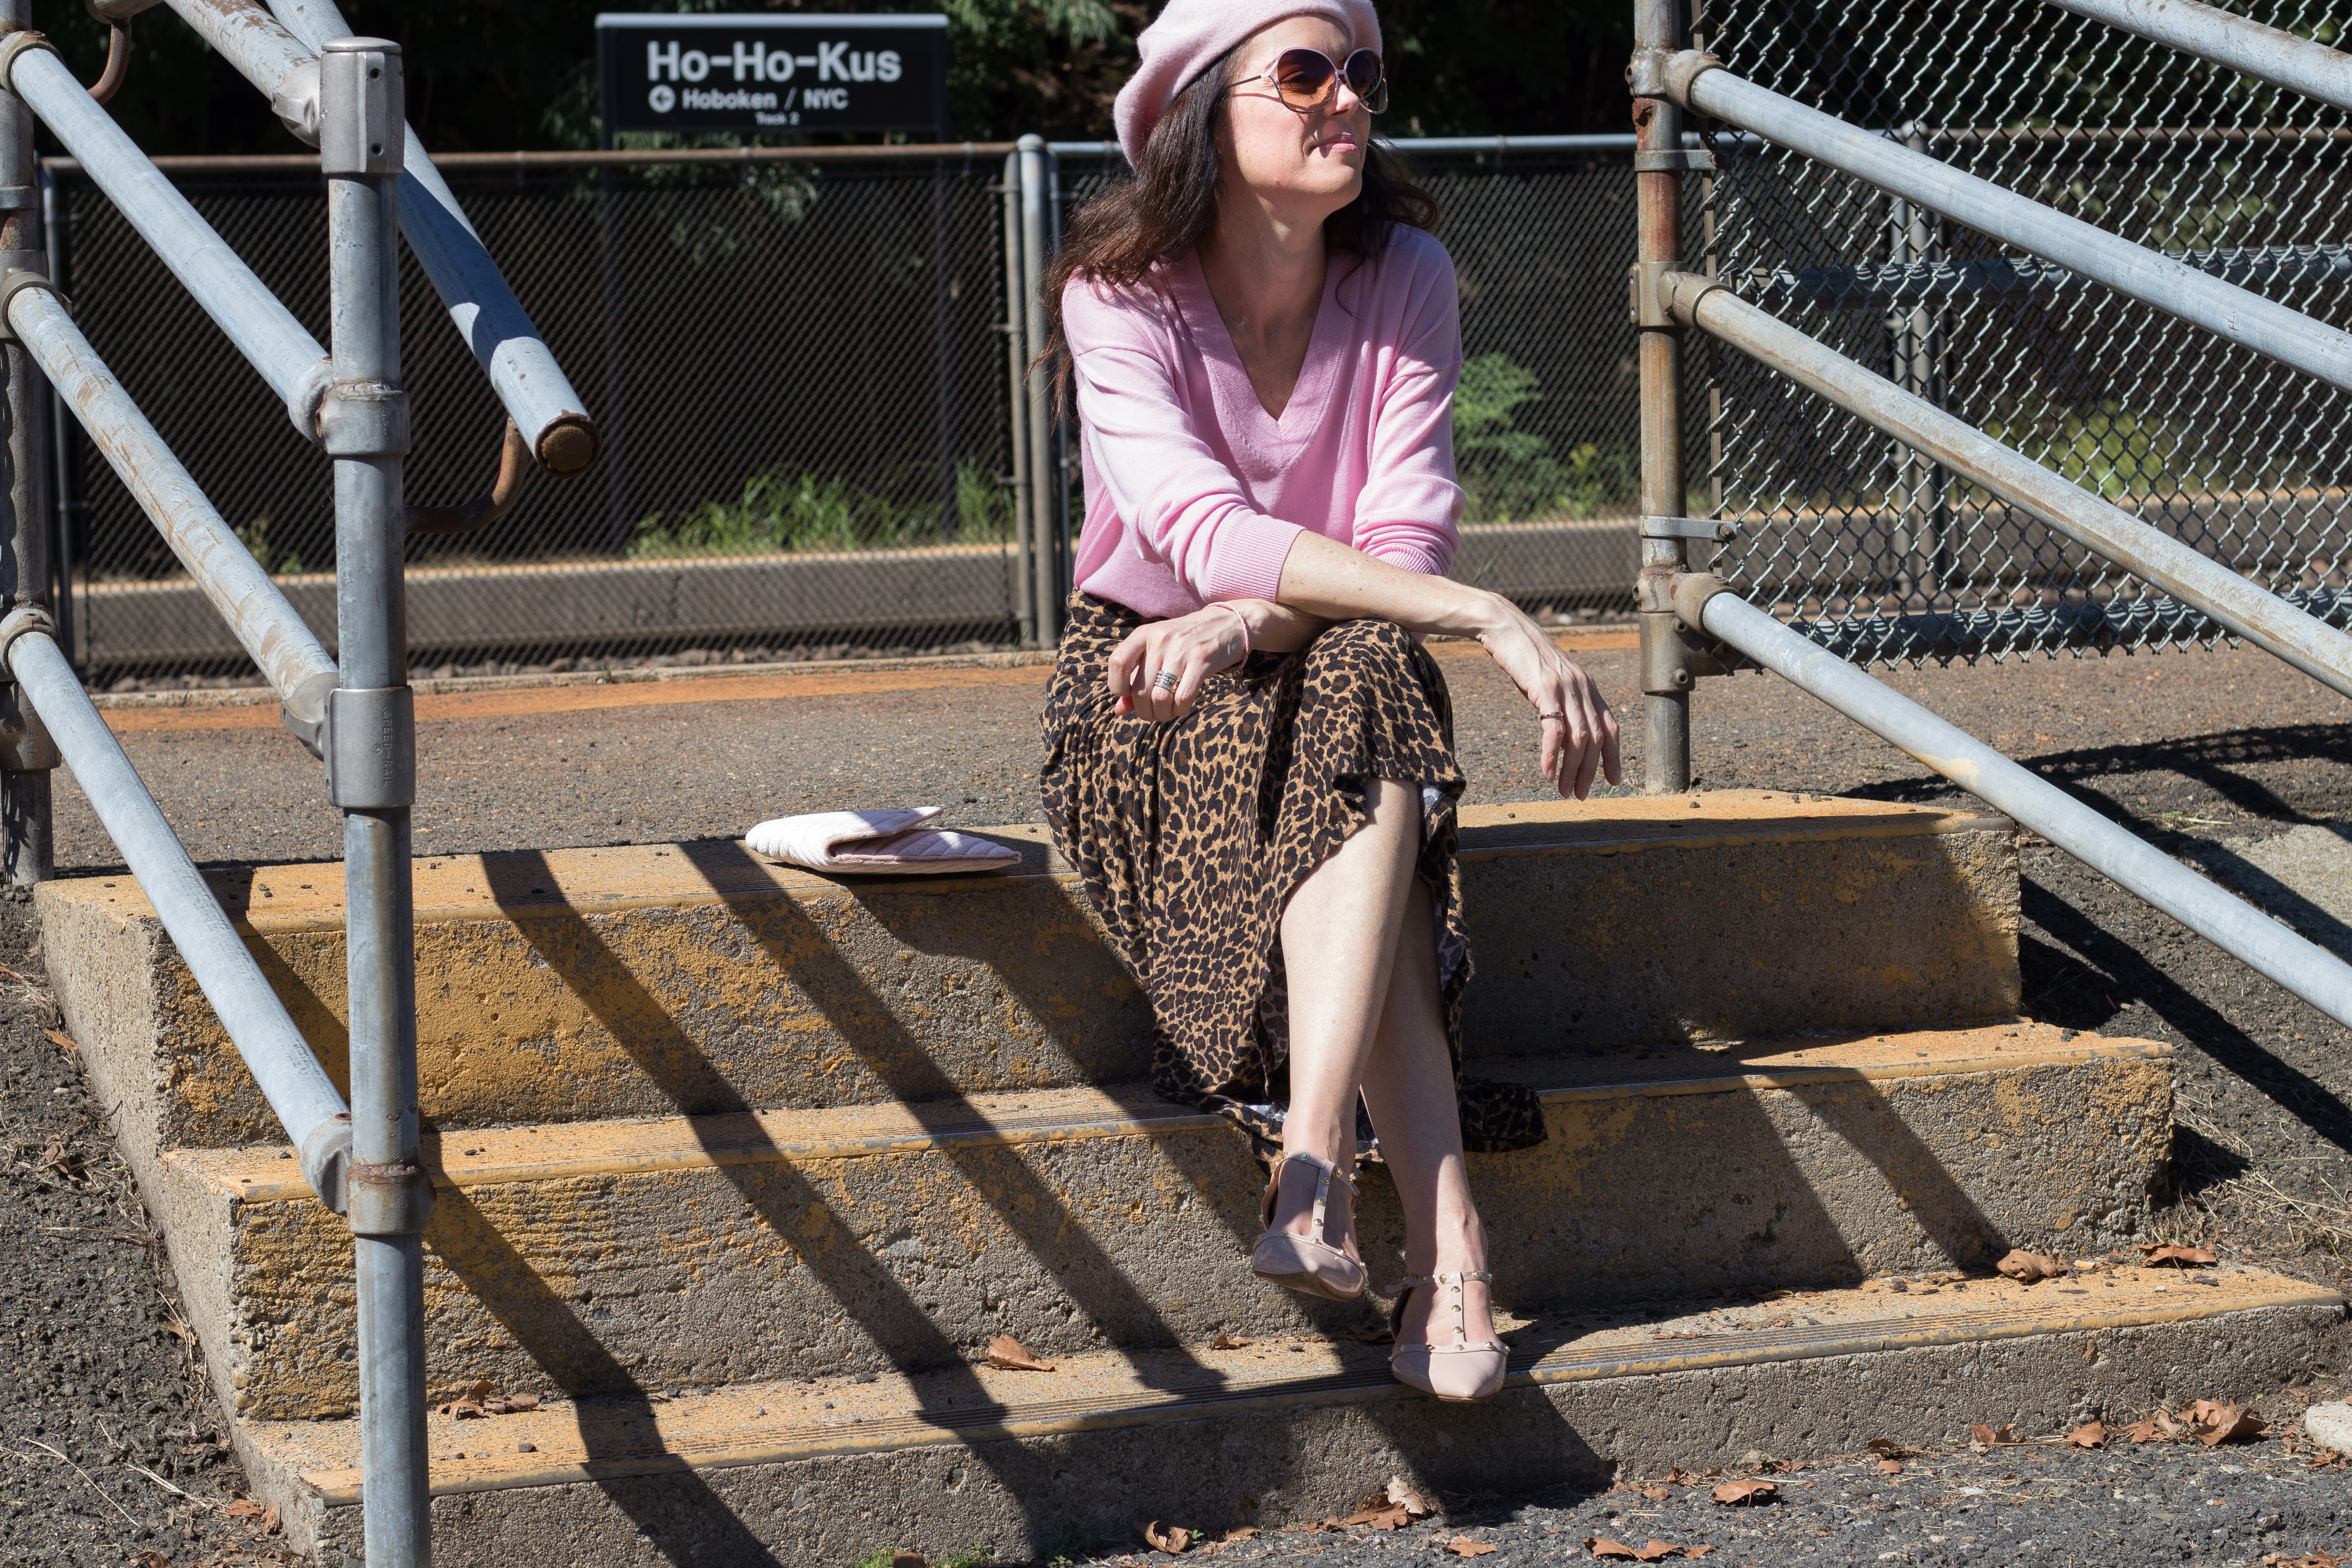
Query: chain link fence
{"points": [[798, 365], [1891, 558]]}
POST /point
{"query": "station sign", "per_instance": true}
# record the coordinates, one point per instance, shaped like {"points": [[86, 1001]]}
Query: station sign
{"points": [[698, 71]]}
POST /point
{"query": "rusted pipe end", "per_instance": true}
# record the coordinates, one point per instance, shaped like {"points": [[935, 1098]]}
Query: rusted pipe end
{"points": [[112, 11], [118, 62], [568, 446], [514, 457]]}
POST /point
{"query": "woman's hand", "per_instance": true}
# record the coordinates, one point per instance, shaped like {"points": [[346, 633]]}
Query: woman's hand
{"points": [[1190, 647], [1580, 733]]}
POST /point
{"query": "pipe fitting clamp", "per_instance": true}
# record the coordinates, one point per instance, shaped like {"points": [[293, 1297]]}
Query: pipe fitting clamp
{"points": [[17, 623], [1683, 69], [389, 1200], [365, 420], [18, 45], [15, 281], [326, 1157], [370, 748]]}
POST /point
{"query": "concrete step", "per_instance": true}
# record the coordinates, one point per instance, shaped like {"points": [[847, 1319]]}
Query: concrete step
{"points": [[573, 986], [1292, 1429], [692, 1252]]}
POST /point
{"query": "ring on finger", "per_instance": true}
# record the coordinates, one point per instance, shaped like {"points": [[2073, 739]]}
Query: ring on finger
{"points": [[1541, 716], [1165, 680]]}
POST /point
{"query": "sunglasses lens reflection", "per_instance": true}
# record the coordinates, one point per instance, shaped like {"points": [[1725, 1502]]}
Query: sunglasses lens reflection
{"points": [[1365, 80], [1304, 78]]}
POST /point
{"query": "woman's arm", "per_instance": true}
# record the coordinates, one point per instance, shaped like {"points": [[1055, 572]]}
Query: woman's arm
{"points": [[1326, 579], [1198, 646]]}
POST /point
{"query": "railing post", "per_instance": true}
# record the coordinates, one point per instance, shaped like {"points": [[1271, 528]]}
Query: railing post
{"points": [[26, 752], [1658, 194], [1044, 526], [1016, 407], [371, 741]]}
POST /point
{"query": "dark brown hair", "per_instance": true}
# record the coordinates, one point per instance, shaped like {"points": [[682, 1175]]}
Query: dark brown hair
{"points": [[1171, 204]]}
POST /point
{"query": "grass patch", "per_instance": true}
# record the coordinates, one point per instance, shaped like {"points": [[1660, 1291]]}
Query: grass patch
{"points": [[783, 512]]}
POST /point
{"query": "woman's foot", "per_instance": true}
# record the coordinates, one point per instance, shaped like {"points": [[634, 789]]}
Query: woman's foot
{"points": [[1309, 1245], [1445, 1328]]}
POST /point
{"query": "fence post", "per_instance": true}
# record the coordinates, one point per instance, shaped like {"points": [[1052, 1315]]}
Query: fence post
{"points": [[1016, 404], [1658, 193], [26, 752], [370, 746], [1045, 510]]}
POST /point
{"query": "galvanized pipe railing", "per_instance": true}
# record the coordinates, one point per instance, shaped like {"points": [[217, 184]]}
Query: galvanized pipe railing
{"points": [[2310, 644], [1659, 160], [262, 328], [2312, 972], [2269, 54], [299, 1091], [1699, 82], [266, 627], [481, 304], [370, 746], [28, 756]]}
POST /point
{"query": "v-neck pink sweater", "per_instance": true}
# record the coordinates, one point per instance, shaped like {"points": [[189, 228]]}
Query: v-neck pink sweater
{"points": [[1195, 493]]}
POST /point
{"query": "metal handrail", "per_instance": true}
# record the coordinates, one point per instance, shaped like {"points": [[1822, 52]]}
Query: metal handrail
{"points": [[2310, 644], [2269, 54], [1700, 81], [2307, 970], [290, 656], [283, 1066], [260, 326], [523, 372]]}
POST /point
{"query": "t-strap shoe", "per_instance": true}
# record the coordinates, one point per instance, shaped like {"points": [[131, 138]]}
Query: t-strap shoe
{"points": [[1312, 1264], [1461, 1371]]}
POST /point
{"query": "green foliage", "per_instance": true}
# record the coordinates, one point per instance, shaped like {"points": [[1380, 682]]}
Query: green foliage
{"points": [[1510, 475], [977, 1556], [784, 511], [2109, 449], [254, 537]]}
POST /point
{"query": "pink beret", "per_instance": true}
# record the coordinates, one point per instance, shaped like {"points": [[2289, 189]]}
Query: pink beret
{"points": [[1191, 35]]}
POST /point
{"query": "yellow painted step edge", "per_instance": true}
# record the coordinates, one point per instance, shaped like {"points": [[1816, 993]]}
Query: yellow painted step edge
{"points": [[654, 1145], [715, 1433]]}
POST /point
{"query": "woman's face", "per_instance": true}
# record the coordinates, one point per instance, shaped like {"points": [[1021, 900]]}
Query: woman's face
{"points": [[1303, 166]]}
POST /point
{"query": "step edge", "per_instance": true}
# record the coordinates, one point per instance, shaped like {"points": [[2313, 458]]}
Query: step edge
{"points": [[1357, 1387], [1177, 1120], [798, 885]]}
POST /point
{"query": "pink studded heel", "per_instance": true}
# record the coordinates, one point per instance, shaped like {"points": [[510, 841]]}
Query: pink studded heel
{"points": [[1462, 1371], [1311, 1264]]}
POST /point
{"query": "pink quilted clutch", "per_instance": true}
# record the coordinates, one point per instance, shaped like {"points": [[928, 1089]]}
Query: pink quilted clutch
{"points": [[891, 843]]}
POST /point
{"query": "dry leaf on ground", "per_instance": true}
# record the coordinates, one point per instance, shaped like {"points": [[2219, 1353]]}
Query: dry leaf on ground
{"points": [[1746, 1492], [1240, 1532], [151, 1558], [63, 1042], [1657, 1494], [269, 1521], [1005, 1351], [2210, 1421], [1462, 1546], [2180, 1257], [2320, 1557], [1995, 1436], [243, 1508], [1890, 1448], [1379, 1513], [2091, 1435], [1172, 1539], [178, 1331], [1890, 1466], [1414, 1503], [1603, 1547], [2142, 1432], [1225, 1342], [2029, 1266], [464, 1410]]}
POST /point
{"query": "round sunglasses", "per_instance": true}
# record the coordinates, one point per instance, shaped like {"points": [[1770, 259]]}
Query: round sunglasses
{"points": [[1308, 80]]}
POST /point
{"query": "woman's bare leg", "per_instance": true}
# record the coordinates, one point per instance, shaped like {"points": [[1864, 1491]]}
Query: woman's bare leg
{"points": [[1339, 945], [1408, 1086]]}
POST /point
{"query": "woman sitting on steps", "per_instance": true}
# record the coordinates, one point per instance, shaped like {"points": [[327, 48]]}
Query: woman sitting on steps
{"points": [[1250, 756]]}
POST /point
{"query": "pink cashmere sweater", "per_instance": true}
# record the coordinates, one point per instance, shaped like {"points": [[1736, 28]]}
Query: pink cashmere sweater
{"points": [[1195, 493]]}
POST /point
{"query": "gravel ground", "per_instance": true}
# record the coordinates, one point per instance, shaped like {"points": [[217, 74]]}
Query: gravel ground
{"points": [[2224, 758], [2245, 1504], [99, 1387]]}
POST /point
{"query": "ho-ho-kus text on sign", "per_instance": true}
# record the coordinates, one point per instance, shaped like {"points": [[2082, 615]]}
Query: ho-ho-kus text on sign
{"points": [[665, 71]]}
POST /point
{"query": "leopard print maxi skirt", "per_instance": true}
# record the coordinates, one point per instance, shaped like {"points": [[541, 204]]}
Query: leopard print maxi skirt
{"points": [[1190, 836]]}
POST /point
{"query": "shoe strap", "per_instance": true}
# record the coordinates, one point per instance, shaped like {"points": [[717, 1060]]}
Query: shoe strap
{"points": [[1323, 1171], [1461, 1316]]}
